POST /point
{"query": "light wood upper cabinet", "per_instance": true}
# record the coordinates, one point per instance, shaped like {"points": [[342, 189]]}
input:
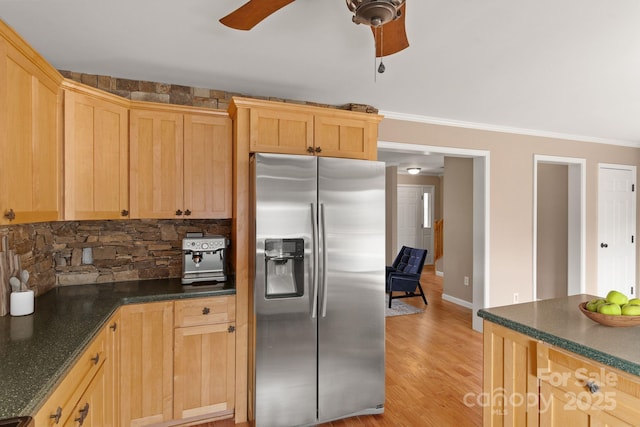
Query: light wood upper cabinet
{"points": [[156, 163], [30, 134], [281, 131], [287, 128], [207, 165], [180, 164], [146, 363], [96, 154]]}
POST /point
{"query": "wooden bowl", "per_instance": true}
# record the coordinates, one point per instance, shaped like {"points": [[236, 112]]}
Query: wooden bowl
{"points": [[608, 320]]}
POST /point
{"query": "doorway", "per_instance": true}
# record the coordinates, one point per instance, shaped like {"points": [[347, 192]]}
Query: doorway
{"points": [[481, 191], [575, 230], [616, 229]]}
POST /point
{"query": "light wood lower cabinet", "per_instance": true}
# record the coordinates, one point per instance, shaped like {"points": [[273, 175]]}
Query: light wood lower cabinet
{"points": [[84, 381], [146, 363], [509, 371], [530, 383], [204, 375], [575, 391]]}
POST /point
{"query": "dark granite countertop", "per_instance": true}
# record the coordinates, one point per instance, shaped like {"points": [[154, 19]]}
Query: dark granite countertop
{"points": [[559, 322], [37, 350]]}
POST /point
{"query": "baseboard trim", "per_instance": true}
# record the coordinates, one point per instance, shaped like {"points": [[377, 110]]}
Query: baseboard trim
{"points": [[457, 301]]}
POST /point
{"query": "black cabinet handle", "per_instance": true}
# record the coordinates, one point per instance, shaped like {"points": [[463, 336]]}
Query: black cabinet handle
{"points": [[83, 414], [309, 149], [318, 150], [114, 326], [96, 359], [187, 212], [593, 387], [206, 311], [124, 212], [10, 215], [56, 417], [604, 245], [178, 212]]}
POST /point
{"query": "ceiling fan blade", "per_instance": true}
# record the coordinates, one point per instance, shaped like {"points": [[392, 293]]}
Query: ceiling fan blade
{"points": [[393, 38], [252, 13]]}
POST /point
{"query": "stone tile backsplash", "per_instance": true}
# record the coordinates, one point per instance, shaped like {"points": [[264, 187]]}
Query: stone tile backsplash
{"points": [[78, 252]]}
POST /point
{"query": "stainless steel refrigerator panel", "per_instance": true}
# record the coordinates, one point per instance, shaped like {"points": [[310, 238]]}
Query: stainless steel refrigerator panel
{"points": [[286, 331], [351, 320]]}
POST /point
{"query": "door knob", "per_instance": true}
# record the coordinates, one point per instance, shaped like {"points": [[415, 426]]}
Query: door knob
{"points": [[604, 245]]}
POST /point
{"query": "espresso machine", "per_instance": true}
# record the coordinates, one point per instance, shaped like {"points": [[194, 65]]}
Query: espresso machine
{"points": [[204, 259]]}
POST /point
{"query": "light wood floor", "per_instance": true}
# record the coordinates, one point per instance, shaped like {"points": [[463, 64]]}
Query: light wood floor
{"points": [[433, 359]]}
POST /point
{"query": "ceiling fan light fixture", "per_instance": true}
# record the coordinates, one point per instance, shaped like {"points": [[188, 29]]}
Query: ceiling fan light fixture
{"points": [[413, 171], [375, 12]]}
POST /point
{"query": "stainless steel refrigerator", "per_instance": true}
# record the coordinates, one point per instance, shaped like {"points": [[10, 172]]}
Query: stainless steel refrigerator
{"points": [[318, 289]]}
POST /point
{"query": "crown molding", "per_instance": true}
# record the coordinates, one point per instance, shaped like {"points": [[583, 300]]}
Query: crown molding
{"points": [[504, 129]]}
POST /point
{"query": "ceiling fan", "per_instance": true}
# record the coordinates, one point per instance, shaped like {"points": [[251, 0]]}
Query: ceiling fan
{"points": [[385, 17]]}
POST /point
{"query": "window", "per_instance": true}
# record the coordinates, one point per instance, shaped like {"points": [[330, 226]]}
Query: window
{"points": [[427, 218]]}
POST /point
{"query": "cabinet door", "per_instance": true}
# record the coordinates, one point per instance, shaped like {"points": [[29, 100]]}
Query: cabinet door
{"points": [[337, 136], [156, 143], [92, 409], [146, 363], [96, 155], [204, 370], [30, 141], [510, 381], [280, 131], [207, 166]]}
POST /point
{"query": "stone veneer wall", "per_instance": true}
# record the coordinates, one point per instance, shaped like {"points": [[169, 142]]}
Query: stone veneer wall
{"points": [[120, 250], [166, 93]]}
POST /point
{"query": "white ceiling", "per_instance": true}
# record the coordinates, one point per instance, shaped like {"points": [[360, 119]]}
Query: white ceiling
{"points": [[566, 68]]}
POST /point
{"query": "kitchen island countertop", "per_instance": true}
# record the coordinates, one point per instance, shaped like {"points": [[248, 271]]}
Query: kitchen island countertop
{"points": [[559, 322], [37, 350]]}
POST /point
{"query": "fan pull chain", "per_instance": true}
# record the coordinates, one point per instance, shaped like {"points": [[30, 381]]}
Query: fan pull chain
{"points": [[381, 67]]}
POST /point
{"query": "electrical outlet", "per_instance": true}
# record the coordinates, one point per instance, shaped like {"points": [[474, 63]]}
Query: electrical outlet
{"points": [[516, 298], [466, 280]]}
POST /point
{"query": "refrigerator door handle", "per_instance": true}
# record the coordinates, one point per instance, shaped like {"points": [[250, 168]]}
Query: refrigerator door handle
{"points": [[323, 235], [314, 245]]}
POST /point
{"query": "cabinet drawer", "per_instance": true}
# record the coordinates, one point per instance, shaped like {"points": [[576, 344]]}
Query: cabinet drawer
{"points": [[204, 311], [589, 385], [59, 405]]}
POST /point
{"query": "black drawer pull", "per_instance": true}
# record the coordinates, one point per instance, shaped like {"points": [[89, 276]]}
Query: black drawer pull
{"points": [[114, 326], [206, 311], [124, 212], [10, 215], [56, 417], [96, 359], [83, 414]]}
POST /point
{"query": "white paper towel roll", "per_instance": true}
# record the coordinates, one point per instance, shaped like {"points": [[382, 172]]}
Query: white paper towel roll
{"points": [[21, 303]]}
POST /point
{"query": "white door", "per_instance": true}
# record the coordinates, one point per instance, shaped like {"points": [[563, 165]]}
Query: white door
{"points": [[616, 229], [409, 216], [415, 218]]}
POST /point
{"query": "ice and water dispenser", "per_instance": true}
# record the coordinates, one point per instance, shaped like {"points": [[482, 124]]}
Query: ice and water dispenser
{"points": [[284, 262]]}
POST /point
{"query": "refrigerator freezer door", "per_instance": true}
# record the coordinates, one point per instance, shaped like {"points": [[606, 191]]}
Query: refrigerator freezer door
{"points": [[351, 326], [285, 328]]}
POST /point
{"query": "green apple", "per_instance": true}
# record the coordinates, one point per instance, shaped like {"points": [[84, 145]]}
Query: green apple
{"points": [[610, 308], [594, 303], [634, 301], [617, 297], [630, 310]]}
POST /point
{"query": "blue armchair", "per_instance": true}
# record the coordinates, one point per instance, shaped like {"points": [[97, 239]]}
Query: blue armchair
{"points": [[404, 274]]}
